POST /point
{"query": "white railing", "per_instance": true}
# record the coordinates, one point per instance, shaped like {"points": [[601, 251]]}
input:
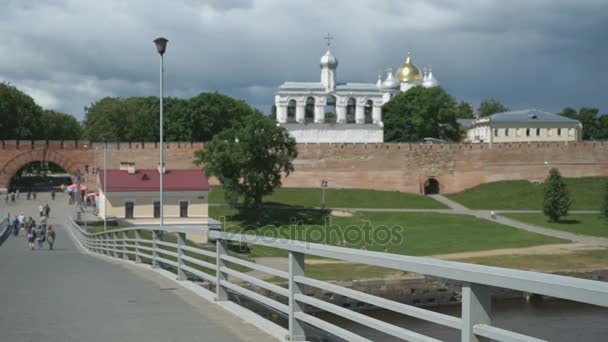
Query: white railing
{"points": [[212, 265], [5, 229]]}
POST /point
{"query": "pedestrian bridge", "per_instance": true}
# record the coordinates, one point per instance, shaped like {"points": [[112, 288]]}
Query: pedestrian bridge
{"points": [[140, 284]]}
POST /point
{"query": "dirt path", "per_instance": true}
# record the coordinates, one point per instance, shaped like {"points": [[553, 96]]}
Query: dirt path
{"points": [[535, 250]]}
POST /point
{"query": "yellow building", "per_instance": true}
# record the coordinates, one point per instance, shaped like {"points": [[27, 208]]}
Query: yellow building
{"points": [[522, 126], [133, 195]]}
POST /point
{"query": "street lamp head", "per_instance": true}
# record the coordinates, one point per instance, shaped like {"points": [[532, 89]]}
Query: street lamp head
{"points": [[161, 45]]}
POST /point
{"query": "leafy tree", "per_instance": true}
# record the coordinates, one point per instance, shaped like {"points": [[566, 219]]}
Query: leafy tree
{"points": [[59, 126], [419, 113], [557, 201], [605, 202], [595, 126], [569, 113], [491, 106], [249, 159], [464, 110], [20, 116]]}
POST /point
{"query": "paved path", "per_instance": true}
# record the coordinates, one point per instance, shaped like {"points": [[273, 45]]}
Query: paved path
{"points": [[63, 295]]}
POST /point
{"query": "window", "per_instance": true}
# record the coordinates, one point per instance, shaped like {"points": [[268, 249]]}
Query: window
{"points": [[527, 132], [369, 106], [291, 111], [351, 107], [495, 132], [506, 132], [129, 209], [183, 208], [559, 132], [156, 209], [309, 111], [538, 132]]}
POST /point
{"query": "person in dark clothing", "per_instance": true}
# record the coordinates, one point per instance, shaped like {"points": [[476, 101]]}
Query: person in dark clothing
{"points": [[53, 195], [50, 236]]}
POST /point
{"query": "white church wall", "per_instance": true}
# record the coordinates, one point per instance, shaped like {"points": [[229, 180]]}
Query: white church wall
{"points": [[336, 133]]}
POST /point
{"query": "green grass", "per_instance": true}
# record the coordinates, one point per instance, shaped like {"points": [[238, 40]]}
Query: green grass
{"points": [[583, 260], [341, 198], [591, 224], [586, 194], [411, 233]]}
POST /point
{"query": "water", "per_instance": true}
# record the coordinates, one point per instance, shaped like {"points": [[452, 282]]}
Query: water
{"points": [[552, 320]]}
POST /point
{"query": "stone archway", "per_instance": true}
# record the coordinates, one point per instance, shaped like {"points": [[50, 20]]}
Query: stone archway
{"points": [[10, 168], [431, 187]]}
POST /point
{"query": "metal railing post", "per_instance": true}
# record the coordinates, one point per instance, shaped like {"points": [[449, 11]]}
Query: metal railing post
{"points": [[154, 247], [296, 268], [105, 243], [221, 248], [125, 236], [476, 309], [181, 241], [115, 246], [137, 240]]}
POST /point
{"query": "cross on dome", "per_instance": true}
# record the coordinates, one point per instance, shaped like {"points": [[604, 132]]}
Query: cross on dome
{"points": [[329, 38]]}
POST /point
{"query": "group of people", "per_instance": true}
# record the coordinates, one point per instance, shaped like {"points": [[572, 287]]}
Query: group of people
{"points": [[36, 233], [12, 196]]}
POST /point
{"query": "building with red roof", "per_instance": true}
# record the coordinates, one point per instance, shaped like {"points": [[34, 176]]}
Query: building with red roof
{"points": [[134, 195]]}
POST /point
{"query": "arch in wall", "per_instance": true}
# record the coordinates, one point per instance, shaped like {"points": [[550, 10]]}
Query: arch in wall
{"points": [[309, 111], [291, 111], [330, 109], [13, 165], [351, 107], [369, 107], [431, 187]]}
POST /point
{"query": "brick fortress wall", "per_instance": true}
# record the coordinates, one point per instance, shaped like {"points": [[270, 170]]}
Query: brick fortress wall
{"points": [[403, 167]]}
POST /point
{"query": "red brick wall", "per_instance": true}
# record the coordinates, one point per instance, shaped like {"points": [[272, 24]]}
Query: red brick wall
{"points": [[402, 167]]}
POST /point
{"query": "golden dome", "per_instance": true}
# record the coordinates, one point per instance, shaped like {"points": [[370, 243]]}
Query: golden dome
{"points": [[408, 72]]}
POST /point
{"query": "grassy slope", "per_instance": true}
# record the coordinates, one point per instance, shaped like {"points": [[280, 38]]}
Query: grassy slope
{"points": [[586, 194], [594, 225], [342, 198], [583, 260], [421, 233]]}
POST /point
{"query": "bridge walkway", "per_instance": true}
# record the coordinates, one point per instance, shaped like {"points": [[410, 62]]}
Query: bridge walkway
{"points": [[63, 295]]}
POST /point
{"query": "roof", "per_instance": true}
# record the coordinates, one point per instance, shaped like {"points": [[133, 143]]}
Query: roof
{"points": [[149, 180], [465, 122], [529, 115]]}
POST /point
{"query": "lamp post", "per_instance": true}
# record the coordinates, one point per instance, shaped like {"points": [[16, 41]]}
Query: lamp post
{"points": [[323, 186], [161, 46], [105, 186]]}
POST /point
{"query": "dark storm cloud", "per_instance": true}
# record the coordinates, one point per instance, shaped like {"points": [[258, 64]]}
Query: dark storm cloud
{"points": [[67, 54]]}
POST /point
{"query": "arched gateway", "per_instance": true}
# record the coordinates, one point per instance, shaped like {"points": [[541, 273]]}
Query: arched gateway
{"points": [[20, 160], [431, 187]]}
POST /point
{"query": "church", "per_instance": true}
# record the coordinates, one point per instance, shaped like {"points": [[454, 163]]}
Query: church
{"points": [[333, 112]]}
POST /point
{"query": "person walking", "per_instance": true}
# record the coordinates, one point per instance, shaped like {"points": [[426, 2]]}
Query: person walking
{"points": [[40, 236], [17, 192], [47, 210], [31, 238], [50, 236], [21, 219], [35, 195], [53, 195], [41, 210], [15, 227]]}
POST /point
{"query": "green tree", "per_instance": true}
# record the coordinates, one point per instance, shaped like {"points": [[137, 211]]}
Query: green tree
{"points": [[491, 106], [595, 126], [464, 110], [209, 113], [249, 159], [59, 126], [20, 116], [557, 201], [419, 113]]}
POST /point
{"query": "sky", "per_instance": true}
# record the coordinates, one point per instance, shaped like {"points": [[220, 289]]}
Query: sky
{"points": [[67, 54]]}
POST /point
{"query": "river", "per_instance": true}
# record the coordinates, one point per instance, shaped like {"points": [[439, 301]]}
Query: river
{"points": [[552, 320]]}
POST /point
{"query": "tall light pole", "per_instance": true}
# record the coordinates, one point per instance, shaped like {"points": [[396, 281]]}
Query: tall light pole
{"points": [[105, 186], [161, 46]]}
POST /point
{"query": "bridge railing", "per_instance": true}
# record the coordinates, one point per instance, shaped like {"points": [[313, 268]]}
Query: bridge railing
{"points": [[172, 251], [5, 229]]}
